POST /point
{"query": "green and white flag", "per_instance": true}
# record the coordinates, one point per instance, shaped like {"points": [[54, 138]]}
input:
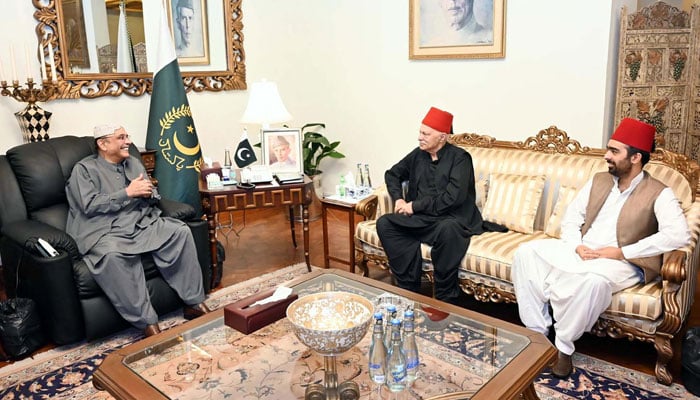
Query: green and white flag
{"points": [[171, 130], [125, 60]]}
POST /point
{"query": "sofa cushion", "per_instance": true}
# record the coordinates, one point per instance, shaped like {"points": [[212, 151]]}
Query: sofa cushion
{"points": [[42, 168], [385, 204], [481, 187], [564, 198], [513, 200], [490, 253], [639, 301], [673, 179], [366, 232]]}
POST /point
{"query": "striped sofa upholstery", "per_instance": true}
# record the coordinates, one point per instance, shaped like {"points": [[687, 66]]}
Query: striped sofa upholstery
{"points": [[651, 312]]}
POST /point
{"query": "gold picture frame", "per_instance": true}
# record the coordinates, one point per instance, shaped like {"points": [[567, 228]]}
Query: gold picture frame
{"points": [[194, 50], [467, 29]]}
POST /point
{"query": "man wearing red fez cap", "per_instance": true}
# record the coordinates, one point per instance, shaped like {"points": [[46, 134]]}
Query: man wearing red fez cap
{"points": [[438, 209], [613, 236]]}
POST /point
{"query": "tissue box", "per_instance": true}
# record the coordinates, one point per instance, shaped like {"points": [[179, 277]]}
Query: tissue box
{"points": [[249, 319], [210, 170]]}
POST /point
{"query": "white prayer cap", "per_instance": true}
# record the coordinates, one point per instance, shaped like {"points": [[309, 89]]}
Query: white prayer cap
{"points": [[105, 130], [276, 141]]}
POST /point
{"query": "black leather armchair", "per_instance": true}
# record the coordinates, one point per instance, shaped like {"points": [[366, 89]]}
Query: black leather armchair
{"points": [[33, 205]]}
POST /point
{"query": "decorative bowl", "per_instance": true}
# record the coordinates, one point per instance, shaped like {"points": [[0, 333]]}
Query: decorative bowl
{"points": [[330, 322]]}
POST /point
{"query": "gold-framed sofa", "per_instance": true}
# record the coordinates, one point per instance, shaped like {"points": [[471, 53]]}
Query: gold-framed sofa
{"points": [[526, 186]]}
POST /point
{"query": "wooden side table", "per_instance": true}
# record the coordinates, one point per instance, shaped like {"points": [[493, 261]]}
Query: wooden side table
{"points": [[231, 198], [349, 208]]}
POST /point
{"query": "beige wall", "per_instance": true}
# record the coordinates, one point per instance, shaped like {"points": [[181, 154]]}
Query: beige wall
{"points": [[346, 63]]}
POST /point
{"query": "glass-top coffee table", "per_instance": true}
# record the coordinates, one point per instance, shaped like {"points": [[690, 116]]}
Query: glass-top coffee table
{"points": [[463, 355]]}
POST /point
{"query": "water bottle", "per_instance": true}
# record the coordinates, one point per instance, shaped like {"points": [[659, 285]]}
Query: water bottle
{"points": [[410, 350], [341, 188], [226, 170], [377, 352], [396, 364], [359, 178], [391, 315], [368, 180]]}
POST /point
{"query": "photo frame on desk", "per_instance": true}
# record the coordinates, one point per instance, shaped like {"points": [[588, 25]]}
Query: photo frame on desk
{"points": [[282, 151]]}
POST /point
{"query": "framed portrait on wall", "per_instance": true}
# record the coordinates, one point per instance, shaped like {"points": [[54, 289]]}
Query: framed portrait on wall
{"points": [[74, 33], [188, 25], [281, 150], [445, 29]]}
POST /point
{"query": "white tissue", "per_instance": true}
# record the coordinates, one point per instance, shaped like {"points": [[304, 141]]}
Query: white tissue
{"points": [[280, 293], [349, 180], [214, 182]]}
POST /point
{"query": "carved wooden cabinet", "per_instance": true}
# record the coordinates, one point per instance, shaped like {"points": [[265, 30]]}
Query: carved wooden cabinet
{"points": [[658, 77]]}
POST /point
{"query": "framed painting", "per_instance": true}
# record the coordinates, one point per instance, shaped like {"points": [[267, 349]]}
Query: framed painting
{"points": [[445, 29], [188, 25], [74, 33], [281, 150]]}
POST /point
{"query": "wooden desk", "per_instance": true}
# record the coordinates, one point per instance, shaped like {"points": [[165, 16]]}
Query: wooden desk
{"points": [[230, 198], [349, 208]]}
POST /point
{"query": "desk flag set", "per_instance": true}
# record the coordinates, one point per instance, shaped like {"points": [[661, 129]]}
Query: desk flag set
{"points": [[171, 130], [244, 153]]}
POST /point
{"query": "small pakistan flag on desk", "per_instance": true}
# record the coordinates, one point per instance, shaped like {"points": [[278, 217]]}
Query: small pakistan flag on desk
{"points": [[171, 130], [244, 153]]}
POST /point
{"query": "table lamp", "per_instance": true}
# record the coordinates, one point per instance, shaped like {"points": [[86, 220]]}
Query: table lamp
{"points": [[265, 106]]}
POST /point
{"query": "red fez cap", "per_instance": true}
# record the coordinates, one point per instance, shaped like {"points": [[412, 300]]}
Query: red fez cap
{"points": [[635, 133], [438, 120]]}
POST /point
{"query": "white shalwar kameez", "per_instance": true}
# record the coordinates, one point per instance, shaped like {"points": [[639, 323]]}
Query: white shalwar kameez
{"points": [[550, 271]]}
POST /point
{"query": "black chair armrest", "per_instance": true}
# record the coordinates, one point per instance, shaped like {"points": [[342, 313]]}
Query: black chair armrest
{"points": [[200, 234], [176, 209], [21, 232], [49, 281]]}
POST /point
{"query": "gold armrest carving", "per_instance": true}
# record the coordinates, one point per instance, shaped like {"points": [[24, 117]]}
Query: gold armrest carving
{"points": [[673, 269], [367, 207]]}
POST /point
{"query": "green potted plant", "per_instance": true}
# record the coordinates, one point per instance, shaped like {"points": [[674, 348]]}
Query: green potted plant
{"points": [[316, 147]]}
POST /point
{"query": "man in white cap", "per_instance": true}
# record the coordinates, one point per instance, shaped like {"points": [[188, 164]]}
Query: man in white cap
{"points": [[113, 219], [438, 209], [282, 152], [613, 236]]}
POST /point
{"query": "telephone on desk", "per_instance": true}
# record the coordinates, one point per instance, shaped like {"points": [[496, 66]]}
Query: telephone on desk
{"points": [[257, 174]]}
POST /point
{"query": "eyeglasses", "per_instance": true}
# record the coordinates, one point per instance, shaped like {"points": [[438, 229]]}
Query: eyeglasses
{"points": [[121, 137]]}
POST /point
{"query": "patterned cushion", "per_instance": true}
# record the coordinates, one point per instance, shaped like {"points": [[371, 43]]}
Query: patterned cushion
{"points": [[564, 198], [513, 201]]}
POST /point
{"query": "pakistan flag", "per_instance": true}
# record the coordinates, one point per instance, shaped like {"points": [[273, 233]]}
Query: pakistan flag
{"points": [[171, 130]]}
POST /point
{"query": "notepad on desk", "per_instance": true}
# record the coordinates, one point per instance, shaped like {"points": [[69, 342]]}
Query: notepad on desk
{"points": [[289, 177]]}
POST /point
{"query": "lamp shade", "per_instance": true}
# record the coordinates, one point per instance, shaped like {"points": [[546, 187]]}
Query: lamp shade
{"points": [[265, 106]]}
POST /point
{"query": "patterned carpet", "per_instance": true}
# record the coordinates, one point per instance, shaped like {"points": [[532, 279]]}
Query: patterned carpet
{"points": [[65, 372]]}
